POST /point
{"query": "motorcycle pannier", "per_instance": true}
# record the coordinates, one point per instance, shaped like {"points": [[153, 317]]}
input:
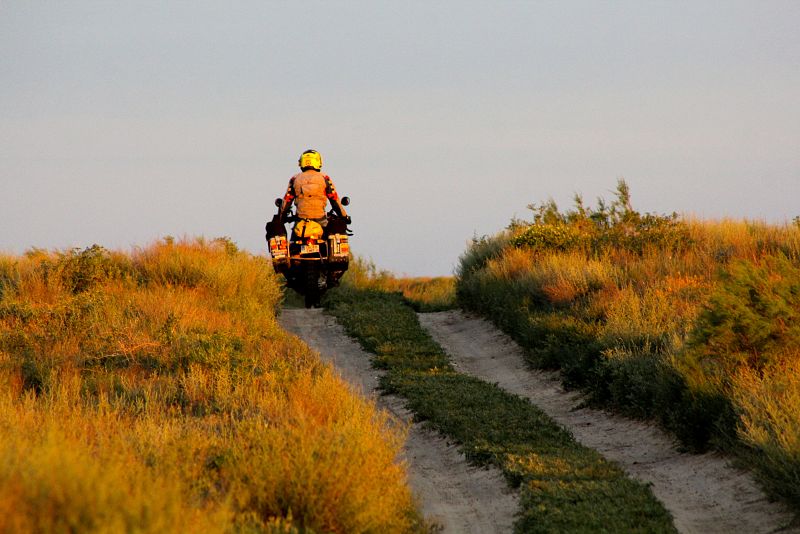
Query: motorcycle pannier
{"points": [[339, 248], [279, 249]]}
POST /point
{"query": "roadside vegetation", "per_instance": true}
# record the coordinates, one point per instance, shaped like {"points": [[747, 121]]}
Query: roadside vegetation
{"points": [[155, 392], [565, 487], [424, 294], [692, 323]]}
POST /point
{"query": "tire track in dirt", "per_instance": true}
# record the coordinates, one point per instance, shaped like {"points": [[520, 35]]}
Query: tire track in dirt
{"points": [[704, 493], [453, 494]]}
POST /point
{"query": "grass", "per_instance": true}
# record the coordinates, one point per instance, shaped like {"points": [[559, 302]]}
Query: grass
{"points": [[565, 487], [691, 323], [155, 392], [424, 294]]}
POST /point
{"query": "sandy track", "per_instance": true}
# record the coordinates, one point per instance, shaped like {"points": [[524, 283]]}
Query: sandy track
{"points": [[453, 494], [704, 493]]}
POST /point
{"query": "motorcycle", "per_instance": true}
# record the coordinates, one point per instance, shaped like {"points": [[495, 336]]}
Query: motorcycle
{"points": [[315, 257]]}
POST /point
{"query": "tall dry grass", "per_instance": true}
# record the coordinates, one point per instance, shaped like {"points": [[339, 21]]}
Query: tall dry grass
{"points": [[691, 322], [155, 392]]}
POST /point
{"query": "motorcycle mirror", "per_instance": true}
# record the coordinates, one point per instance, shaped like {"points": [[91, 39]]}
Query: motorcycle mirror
{"points": [[345, 201], [278, 202]]}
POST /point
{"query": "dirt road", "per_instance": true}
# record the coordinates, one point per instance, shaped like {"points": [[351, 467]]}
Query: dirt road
{"points": [[455, 495], [704, 493]]}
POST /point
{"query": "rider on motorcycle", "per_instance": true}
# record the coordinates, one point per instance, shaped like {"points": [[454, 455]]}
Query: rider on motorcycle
{"points": [[311, 190], [317, 254]]}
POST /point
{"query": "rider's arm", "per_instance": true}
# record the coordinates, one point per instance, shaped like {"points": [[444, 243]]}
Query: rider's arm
{"points": [[288, 198], [333, 196]]}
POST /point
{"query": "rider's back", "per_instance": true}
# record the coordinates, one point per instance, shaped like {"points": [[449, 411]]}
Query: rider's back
{"points": [[310, 188]]}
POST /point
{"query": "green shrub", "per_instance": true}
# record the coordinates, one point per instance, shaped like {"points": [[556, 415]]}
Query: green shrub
{"points": [[480, 251], [80, 270], [751, 320], [550, 237], [615, 225]]}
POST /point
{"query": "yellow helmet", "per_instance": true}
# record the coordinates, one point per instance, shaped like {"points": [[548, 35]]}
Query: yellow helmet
{"points": [[310, 159]]}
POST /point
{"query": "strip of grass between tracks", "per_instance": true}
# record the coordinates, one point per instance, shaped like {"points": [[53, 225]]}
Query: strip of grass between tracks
{"points": [[565, 487]]}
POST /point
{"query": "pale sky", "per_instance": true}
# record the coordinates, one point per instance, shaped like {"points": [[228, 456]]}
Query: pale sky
{"points": [[122, 122]]}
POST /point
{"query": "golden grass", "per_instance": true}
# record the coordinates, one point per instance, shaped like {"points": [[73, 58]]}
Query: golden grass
{"points": [[154, 392], [562, 278], [769, 404]]}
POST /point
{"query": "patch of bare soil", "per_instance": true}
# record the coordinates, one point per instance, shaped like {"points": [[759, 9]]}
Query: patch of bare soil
{"points": [[453, 494], [704, 493]]}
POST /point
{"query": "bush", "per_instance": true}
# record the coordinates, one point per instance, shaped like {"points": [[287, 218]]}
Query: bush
{"points": [[480, 251], [550, 237], [751, 320], [615, 225]]}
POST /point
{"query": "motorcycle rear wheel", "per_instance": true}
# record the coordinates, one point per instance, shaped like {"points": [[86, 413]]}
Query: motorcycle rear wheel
{"points": [[312, 291]]}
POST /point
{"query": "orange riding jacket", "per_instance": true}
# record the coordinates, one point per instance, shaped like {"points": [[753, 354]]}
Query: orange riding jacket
{"points": [[311, 190]]}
